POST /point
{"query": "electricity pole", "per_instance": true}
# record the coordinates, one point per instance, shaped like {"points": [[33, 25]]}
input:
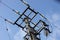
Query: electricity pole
{"points": [[32, 34]]}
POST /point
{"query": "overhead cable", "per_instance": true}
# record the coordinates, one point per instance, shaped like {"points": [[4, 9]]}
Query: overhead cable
{"points": [[10, 7]]}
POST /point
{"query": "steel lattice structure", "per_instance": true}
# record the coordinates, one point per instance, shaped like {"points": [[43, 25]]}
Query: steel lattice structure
{"points": [[31, 22]]}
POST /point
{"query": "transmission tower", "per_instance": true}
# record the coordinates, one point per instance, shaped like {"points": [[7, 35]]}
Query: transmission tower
{"points": [[29, 24]]}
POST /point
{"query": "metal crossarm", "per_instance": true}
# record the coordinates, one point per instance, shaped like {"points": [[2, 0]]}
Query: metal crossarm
{"points": [[19, 25]]}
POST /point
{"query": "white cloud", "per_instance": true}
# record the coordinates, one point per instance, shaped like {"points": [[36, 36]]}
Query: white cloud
{"points": [[19, 35], [55, 17], [54, 34]]}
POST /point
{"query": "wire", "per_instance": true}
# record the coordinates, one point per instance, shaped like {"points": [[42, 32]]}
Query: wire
{"points": [[48, 21], [53, 25], [18, 13], [10, 7], [5, 5], [25, 3], [56, 27], [7, 20], [2, 17]]}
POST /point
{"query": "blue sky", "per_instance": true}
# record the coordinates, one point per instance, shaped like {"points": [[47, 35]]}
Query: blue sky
{"points": [[49, 8]]}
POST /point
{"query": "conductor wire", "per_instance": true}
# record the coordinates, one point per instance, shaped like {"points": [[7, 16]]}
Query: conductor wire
{"points": [[5, 5]]}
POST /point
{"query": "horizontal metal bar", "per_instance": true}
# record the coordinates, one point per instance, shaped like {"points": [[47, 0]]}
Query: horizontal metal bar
{"points": [[33, 23], [34, 16], [27, 16], [32, 10], [41, 29], [37, 24], [19, 26], [37, 13], [30, 13], [42, 16], [22, 14]]}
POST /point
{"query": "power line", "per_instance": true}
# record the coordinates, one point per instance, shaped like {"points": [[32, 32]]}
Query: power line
{"points": [[18, 11], [53, 25], [10, 7], [5, 5], [23, 14]]}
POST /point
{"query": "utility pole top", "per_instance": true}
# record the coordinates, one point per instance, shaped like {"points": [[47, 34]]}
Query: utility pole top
{"points": [[31, 24]]}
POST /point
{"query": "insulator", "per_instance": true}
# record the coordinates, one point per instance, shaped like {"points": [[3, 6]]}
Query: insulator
{"points": [[17, 12], [25, 3], [46, 33], [9, 21]]}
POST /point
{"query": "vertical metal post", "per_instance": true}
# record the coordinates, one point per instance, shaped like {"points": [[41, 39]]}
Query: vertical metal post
{"points": [[27, 25], [30, 30]]}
